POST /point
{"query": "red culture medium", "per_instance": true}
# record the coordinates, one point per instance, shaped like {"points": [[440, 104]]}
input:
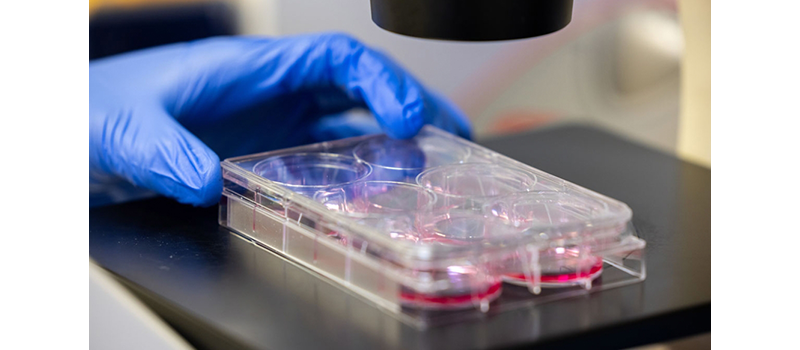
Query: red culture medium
{"points": [[451, 300], [565, 277]]}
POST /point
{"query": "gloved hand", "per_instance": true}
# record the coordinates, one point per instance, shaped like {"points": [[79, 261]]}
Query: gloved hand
{"points": [[162, 118]]}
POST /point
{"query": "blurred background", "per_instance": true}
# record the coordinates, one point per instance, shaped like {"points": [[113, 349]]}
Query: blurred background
{"points": [[637, 68]]}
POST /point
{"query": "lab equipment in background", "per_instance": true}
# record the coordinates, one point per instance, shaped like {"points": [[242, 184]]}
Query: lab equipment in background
{"points": [[429, 235]]}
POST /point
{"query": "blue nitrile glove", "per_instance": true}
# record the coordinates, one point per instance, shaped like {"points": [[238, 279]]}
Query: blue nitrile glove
{"points": [[162, 118]]}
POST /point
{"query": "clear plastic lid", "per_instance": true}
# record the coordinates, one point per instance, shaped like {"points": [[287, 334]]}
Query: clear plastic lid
{"points": [[447, 220]]}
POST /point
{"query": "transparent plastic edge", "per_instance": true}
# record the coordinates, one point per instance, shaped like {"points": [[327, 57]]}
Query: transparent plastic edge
{"points": [[627, 215], [388, 307]]}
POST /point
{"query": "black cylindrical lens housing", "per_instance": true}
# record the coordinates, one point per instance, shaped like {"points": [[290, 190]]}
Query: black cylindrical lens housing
{"points": [[472, 20]]}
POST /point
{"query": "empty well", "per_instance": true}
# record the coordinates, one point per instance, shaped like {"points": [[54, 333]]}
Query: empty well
{"points": [[307, 173]]}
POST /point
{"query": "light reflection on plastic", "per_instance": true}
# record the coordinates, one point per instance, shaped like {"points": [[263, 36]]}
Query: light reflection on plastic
{"points": [[331, 206], [460, 270]]}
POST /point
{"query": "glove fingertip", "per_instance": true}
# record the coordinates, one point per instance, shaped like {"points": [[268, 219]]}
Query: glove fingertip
{"points": [[211, 190], [404, 132], [209, 177], [465, 131], [186, 169], [408, 124]]}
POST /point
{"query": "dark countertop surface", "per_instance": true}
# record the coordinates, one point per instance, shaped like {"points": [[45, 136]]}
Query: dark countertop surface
{"points": [[220, 291]]}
